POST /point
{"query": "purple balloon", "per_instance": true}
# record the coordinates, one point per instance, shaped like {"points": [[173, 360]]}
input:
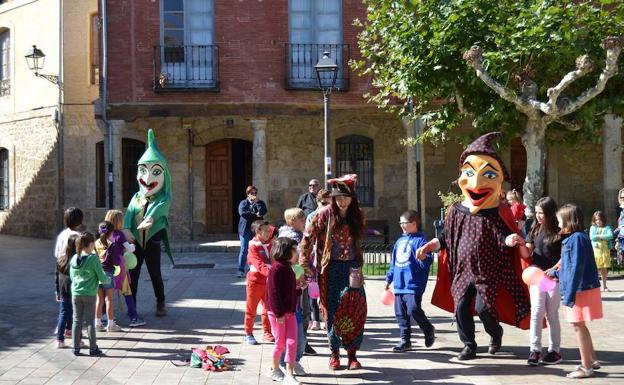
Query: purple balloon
{"points": [[547, 284]]}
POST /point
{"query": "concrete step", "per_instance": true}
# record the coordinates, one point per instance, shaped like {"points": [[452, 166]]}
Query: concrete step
{"points": [[218, 246], [205, 260]]}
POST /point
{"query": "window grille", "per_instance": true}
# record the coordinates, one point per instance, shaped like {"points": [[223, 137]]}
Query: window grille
{"points": [[354, 155]]}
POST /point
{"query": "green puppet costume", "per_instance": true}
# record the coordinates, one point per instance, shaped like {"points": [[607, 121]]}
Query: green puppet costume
{"points": [[147, 218]]}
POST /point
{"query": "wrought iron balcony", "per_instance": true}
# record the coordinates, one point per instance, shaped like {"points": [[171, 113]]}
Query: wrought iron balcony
{"points": [[300, 60], [186, 67]]}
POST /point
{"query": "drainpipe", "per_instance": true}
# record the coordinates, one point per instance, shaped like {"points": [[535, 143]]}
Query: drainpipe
{"points": [[104, 88], [59, 122], [190, 180]]}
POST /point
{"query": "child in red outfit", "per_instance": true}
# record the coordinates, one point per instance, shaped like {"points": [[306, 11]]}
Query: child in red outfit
{"points": [[514, 200], [258, 259]]}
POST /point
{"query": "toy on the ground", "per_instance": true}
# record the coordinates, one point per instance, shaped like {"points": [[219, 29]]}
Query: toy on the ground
{"points": [[210, 358]]}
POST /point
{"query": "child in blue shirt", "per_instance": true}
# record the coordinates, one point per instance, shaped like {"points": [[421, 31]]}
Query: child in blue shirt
{"points": [[410, 275]]}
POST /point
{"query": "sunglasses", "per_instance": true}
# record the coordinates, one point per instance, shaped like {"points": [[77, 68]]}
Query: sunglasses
{"points": [[313, 185]]}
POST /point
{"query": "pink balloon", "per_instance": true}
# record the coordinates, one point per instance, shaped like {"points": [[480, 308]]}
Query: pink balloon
{"points": [[387, 298], [532, 275], [547, 284], [313, 290]]}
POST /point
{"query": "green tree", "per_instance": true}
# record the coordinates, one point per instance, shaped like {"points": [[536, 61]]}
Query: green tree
{"points": [[427, 51]]}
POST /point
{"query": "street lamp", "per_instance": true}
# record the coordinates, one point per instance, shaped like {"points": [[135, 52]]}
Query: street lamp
{"points": [[326, 73], [35, 58]]}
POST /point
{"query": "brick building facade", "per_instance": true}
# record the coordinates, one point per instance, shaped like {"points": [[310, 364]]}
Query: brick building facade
{"points": [[230, 90]]}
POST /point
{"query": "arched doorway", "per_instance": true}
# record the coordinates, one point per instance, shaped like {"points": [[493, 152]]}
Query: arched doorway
{"points": [[228, 172]]}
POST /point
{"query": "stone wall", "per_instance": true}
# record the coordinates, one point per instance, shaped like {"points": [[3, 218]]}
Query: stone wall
{"points": [[294, 154], [575, 175], [31, 140]]}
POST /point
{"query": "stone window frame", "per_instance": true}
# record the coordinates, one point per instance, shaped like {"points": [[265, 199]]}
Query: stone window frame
{"points": [[355, 155], [131, 152], [100, 175], [4, 179], [94, 48], [5, 62]]}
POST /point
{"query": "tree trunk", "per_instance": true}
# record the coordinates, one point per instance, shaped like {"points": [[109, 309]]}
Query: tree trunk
{"points": [[534, 141]]}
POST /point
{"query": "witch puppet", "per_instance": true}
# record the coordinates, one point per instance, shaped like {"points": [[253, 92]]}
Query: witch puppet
{"points": [[482, 253], [147, 219]]}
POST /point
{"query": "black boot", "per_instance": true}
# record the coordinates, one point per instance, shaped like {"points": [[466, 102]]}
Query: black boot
{"points": [[467, 354], [496, 343], [161, 311]]}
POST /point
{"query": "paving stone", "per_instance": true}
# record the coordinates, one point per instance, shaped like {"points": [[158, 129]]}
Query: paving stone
{"points": [[206, 307]]}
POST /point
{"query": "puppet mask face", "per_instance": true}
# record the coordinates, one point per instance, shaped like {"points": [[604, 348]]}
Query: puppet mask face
{"points": [[480, 181], [151, 177]]}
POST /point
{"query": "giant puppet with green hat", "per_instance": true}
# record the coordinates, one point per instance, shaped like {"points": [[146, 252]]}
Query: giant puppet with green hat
{"points": [[147, 218]]}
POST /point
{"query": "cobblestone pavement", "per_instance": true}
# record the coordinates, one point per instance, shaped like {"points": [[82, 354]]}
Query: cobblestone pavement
{"points": [[206, 307]]}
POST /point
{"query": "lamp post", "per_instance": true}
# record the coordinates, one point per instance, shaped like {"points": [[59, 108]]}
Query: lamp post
{"points": [[35, 59], [326, 73]]}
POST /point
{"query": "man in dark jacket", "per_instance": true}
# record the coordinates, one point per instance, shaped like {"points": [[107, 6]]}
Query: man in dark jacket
{"points": [[250, 209], [307, 201]]}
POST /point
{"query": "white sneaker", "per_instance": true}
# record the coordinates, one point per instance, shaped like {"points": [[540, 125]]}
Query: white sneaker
{"points": [[60, 344], [290, 380], [276, 374], [298, 369], [113, 327], [99, 327]]}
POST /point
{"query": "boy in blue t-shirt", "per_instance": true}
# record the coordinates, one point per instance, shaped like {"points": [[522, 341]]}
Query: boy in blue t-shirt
{"points": [[410, 275]]}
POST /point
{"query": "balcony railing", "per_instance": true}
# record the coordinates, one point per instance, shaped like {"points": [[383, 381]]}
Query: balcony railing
{"points": [[300, 61], [186, 67], [5, 87]]}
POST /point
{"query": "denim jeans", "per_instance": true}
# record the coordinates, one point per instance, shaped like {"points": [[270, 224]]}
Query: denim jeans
{"points": [[65, 318], [545, 304], [242, 255]]}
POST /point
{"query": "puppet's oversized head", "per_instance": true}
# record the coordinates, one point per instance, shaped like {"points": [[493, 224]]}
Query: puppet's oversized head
{"points": [[482, 173], [153, 172]]}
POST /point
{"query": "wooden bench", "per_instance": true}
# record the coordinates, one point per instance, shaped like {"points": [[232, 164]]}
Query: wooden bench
{"points": [[377, 231]]}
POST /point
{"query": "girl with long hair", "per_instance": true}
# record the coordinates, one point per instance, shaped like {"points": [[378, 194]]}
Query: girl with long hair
{"points": [[337, 232], [544, 242]]}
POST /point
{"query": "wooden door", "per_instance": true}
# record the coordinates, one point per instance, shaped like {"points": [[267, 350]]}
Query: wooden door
{"points": [[219, 187]]}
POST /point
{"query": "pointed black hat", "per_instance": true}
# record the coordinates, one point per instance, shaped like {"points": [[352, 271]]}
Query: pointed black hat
{"points": [[483, 146]]}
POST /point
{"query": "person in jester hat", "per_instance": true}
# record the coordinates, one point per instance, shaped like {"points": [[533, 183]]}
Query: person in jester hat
{"points": [[336, 231], [480, 266], [147, 219]]}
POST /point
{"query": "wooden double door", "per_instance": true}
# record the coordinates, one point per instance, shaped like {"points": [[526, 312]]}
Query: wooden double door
{"points": [[228, 173]]}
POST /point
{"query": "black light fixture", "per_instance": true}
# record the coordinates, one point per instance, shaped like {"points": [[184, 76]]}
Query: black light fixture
{"points": [[35, 58], [326, 72]]}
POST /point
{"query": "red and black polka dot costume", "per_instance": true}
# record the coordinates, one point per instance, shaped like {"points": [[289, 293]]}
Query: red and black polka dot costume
{"points": [[478, 256]]}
